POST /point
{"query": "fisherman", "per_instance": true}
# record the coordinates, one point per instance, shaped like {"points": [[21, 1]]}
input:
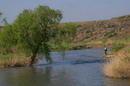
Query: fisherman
{"points": [[105, 49]]}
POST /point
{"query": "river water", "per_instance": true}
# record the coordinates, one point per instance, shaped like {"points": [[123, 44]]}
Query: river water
{"points": [[76, 68]]}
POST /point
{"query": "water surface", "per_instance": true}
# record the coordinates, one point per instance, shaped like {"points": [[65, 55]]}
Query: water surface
{"points": [[76, 68]]}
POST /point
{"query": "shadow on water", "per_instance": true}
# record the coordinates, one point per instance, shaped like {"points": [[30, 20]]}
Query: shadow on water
{"points": [[74, 62], [46, 76], [117, 82], [77, 68]]}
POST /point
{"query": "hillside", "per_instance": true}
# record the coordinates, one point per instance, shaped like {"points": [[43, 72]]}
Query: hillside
{"points": [[115, 28]]}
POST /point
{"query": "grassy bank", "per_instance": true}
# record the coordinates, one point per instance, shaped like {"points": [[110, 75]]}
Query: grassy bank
{"points": [[13, 60], [119, 65], [18, 60]]}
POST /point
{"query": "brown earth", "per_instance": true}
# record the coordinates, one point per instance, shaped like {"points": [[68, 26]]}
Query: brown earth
{"points": [[106, 29]]}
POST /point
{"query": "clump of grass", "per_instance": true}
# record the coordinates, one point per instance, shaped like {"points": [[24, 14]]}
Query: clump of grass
{"points": [[119, 65], [117, 48], [13, 60]]}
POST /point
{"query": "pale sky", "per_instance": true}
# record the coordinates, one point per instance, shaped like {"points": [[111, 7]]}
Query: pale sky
{"points": [[73, 10]]}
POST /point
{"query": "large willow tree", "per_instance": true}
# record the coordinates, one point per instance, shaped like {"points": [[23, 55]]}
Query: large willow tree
{"points": [[35, 29]]}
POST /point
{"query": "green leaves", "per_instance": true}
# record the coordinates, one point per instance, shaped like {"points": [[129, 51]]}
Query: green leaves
{"points": [[66, 32], [0, 13], [8, 37], [35, 28], [34, 31]]}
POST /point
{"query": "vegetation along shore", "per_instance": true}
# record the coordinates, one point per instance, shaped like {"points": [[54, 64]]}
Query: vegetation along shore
{"points": [[34, 32], [119, 64], [39, 31]]}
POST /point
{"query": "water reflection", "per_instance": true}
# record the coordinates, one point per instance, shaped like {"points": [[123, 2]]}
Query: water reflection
{"points": [[28, 77], [43, 76], [117, 82]]}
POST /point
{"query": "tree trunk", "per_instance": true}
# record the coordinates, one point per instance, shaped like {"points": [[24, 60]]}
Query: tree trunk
{"points": [[32, 60]]}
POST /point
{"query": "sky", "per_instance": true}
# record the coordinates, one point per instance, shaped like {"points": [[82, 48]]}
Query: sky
{"points": [[73, 10]]}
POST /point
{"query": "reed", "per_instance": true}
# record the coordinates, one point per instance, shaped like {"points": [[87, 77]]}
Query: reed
{"points": [[119, 65], [13, 60]]}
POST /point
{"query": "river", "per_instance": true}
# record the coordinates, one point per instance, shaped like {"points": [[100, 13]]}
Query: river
{"points": [[75, 68]]}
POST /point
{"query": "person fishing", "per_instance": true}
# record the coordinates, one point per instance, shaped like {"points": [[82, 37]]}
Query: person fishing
{"points": [[105, 49]]}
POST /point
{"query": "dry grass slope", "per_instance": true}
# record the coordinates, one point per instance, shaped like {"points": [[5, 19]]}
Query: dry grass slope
{"points": [[113, 29]]}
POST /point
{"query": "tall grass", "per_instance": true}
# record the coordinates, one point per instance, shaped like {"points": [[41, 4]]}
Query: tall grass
{"points": [[119, 65], [13, 60]]}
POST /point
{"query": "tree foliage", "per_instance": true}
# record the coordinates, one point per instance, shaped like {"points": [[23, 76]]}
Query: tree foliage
{"points": [[0, 13], [8, 37], [69, 31], [66, 32], [33, 30]]}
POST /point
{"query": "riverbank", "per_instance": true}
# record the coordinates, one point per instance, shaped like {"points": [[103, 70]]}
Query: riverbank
{"points": [[71, 46], [77, 68], [119, 64], [81, 35], [13, 60], [8, 60]]}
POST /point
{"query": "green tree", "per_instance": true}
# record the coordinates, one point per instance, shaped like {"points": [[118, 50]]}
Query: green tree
{"points": [[4, 21], [35, 28], [66, 32], [69, 31], [0, 13], [8, 37]]}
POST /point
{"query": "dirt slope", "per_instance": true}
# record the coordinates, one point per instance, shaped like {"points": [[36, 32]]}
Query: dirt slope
{"points": [[106, 29]]}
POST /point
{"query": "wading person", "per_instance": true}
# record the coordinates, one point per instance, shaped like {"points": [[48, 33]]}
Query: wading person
{"points": [[105, 49]]}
